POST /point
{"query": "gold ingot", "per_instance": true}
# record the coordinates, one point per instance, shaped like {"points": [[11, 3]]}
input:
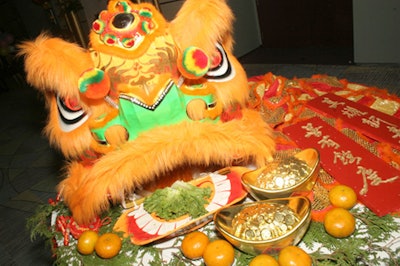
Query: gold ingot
{"points": [[268, 238], [282, 178]]}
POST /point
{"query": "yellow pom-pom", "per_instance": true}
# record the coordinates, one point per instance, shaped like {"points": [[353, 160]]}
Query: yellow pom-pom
{"points": [[194, 63]]}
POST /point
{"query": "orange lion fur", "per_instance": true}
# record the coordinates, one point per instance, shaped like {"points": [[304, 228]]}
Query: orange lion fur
{"points": [[210, 22], [54, 66], [160, 151], [101, 171]]}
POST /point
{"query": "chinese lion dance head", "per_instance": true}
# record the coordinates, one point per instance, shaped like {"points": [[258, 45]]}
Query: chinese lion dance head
{"points": [[147, 99]]}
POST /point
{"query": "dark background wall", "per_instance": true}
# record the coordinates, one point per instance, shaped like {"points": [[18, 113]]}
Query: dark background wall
{"points": [[366, 30]]}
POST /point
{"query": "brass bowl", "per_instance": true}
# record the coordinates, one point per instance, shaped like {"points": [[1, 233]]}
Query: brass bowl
{"points": [[226, 223], [307, 158]]}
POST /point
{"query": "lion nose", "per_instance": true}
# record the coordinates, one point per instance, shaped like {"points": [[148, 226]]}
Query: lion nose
{"points": [[123, 20]]}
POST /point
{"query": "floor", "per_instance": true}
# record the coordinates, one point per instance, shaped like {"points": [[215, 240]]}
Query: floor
{"points": [[30, 169]]}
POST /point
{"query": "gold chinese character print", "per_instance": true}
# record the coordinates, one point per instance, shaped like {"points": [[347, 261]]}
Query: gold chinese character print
{"points": [[371, 175]]}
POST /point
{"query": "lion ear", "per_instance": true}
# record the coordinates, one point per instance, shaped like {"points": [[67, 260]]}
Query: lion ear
{"points": [[54, 64], [203, 24]]}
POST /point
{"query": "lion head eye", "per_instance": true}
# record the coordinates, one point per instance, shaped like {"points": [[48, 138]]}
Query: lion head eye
{"points": [[72, 104], [70, 114]]}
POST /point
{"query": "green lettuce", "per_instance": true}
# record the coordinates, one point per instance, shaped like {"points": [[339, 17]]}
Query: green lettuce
{"points": [[180, 199]]}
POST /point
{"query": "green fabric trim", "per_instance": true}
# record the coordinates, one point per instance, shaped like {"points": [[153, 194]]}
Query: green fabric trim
{"points": [[137, 119]]}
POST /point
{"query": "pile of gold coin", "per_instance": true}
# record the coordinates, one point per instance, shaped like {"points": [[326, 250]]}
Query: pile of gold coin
{"points": [[264, 222], [287, 173]]}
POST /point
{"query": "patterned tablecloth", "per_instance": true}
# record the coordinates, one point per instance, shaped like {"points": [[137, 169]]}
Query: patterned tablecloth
{"points": [[355, 128]]}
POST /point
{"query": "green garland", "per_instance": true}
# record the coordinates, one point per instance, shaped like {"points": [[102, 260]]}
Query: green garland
{"points": [[362, 247], [354, 250]]}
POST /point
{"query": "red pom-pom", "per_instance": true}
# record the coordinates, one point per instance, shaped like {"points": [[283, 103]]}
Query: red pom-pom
{"points": [[94, 84], [193, 63]]}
